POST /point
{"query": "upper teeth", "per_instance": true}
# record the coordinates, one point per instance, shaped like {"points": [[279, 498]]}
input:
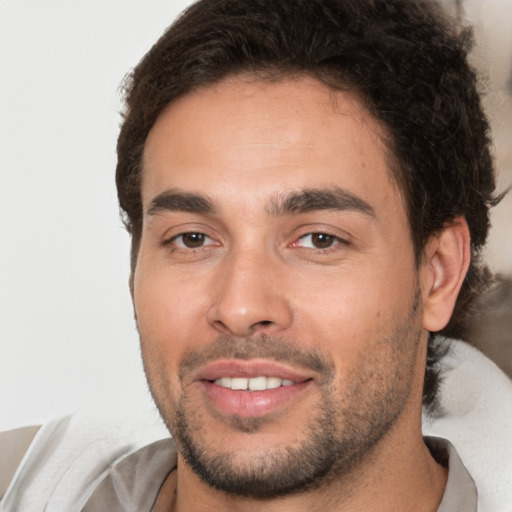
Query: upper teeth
{"points": [[254, 383]]}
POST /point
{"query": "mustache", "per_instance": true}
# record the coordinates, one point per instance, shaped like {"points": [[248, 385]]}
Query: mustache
{"points": [[280, 350]]}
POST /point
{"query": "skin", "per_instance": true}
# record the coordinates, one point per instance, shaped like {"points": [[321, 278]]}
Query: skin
{"points": [[359, 301]]}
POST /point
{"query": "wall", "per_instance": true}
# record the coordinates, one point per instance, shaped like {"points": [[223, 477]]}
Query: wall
{"points": [[67, 335]]}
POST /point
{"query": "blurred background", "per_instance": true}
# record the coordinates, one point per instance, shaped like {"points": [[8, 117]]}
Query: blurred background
{"points": [[67, 335]]}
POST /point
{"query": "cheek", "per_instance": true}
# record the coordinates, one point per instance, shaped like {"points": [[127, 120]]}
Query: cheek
{"points": [[351, 309], [168, 312]]}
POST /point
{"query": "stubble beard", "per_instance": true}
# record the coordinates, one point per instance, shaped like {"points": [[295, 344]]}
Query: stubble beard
{"points": [[341, 432]]}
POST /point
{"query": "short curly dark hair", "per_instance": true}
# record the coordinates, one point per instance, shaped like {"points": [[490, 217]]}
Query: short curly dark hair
{"points": [[404, 58]]}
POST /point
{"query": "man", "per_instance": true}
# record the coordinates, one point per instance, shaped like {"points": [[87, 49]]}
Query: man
{"points": [[307, 186]]}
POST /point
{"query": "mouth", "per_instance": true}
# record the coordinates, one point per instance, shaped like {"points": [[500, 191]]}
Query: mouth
{"points": [[260, 383], [250, 389]]}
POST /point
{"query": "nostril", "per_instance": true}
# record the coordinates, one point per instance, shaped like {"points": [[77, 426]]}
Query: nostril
{"points": [[263, 323]]}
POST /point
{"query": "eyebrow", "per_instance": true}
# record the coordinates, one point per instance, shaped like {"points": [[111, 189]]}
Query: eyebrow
{"points": [[308, 200], [177, 201], [302, 201]]}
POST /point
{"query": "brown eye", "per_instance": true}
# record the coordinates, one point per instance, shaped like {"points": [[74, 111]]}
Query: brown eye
{"points": [[321, 240], [190, 240]]}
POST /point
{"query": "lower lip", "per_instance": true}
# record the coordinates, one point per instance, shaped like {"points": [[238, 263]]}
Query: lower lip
{"points": [[251, 404]]}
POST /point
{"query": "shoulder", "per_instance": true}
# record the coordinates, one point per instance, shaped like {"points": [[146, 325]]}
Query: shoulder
{"points": [[13, 446], [475, 414], [69, 456]]}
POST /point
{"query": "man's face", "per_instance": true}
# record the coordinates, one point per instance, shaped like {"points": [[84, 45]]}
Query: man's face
{"points": [[276, 292]]}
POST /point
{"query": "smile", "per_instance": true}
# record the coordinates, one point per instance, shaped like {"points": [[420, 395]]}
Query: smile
{"points": [[260, 383], [252, 388]]}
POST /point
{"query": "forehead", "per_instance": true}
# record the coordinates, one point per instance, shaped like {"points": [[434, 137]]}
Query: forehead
{"points": [[267, 137]]}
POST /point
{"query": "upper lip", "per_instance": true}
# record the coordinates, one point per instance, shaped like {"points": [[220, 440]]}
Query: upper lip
{"points": [[249, 369]]}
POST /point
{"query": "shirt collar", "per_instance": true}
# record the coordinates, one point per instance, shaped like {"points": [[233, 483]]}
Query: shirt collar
{"points": [[460, 494], [133, 482]]}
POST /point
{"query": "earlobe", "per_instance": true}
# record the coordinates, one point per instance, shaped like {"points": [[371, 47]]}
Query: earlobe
{"points": [[446, 262]]}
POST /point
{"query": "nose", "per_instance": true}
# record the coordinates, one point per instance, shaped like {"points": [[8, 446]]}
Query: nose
{"points": [[250, 296]]}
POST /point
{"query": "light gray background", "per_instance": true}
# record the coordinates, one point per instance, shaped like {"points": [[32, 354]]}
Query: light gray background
{"points": [[67, 336]]}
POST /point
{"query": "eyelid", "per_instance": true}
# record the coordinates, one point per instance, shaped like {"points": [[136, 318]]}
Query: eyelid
{"points": [[337, 239], [172, 235], [329, 229], [181, 245]]}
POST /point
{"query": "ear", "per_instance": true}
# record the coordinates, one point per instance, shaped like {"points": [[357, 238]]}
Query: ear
{"points": [[444, 268]]}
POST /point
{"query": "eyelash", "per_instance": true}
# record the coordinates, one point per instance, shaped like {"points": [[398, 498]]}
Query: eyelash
{"points": [[172, 241], [334, 240]]}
